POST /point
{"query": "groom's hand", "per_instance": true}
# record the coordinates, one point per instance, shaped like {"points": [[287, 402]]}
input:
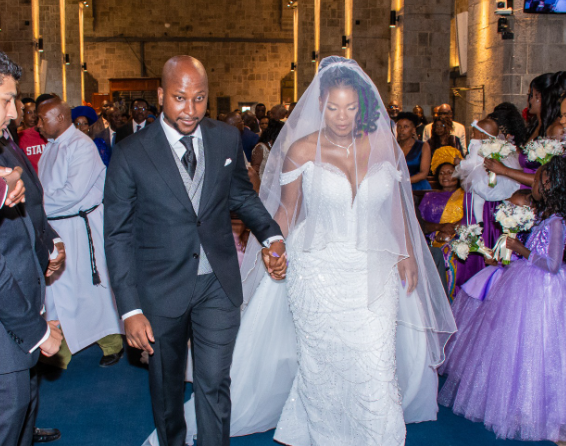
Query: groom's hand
{"points": [[139, 333], [275, 260]]}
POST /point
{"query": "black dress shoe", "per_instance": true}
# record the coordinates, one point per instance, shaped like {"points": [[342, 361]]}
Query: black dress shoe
{"points": [[45, 435], [108, 360]]}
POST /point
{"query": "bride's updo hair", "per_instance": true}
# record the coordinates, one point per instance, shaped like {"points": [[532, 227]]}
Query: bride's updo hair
{"points": [[342, 75]]}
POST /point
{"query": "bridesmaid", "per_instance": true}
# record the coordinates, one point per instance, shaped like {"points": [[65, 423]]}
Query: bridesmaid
{"points": [[507, 363]]}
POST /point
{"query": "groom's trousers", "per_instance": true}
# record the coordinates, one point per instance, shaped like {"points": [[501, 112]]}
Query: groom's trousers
{"points": [[211, 321]]}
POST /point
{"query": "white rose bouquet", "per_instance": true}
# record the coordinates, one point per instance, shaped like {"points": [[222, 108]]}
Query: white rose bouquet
{"points": [[496, 149], [513, 219], [542, 150], [469, 240]]}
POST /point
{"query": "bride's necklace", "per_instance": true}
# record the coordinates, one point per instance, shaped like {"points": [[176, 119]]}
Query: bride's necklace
{"points": [[347, 149]]}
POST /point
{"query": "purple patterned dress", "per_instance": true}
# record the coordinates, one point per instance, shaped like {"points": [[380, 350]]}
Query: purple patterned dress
{"points": [[506, 366]]}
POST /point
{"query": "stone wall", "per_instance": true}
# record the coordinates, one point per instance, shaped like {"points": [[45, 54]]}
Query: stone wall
{"points": [[247, 71], [421, 53], [506, 67], [306, 68], [16, 39]]}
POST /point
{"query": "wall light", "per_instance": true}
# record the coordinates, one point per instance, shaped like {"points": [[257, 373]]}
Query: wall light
{"points": [[393, 19], [67, 59], [293, 66], [345, 42], [40, 44], [314, 57], [84, 67]]}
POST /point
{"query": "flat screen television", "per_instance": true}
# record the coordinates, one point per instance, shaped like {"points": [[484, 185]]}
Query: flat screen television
{"points": [[545, 6]]}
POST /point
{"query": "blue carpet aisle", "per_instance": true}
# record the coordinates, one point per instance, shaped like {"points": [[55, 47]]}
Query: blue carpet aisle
{"points": [[93, 406]]}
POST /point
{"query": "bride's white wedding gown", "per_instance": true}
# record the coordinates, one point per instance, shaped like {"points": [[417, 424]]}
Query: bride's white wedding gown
{"points": [[346, 388]]}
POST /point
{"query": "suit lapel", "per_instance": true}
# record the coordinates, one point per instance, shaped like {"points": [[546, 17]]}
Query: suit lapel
{"points": [[159, 152], [213, 156]]}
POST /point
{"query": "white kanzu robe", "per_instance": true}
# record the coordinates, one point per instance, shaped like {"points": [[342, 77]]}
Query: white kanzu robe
{"points": [[72, 175]]}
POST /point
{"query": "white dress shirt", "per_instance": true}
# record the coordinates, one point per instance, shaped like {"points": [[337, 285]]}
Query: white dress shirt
{"points": [[135, 124]]}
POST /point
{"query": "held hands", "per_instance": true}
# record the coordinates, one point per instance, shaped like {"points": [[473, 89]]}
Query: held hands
{"points": [[53, 343], [139, 333], [409, 273], [16, 189], [494, 166], [275, 260], [58, 261]]}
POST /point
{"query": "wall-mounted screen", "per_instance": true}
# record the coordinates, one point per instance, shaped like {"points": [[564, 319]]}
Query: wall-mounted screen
{"points": [[546, 6]]}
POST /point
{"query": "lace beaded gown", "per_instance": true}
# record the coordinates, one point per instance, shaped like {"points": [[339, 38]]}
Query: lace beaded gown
{"points": [[506, 366], [345, 391]]}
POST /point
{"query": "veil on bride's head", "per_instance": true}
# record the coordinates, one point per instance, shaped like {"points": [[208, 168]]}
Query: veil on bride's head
{"points": [[353, 141]]}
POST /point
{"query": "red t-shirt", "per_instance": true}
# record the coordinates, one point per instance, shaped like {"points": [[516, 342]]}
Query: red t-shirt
{"points": [[32, 143]]}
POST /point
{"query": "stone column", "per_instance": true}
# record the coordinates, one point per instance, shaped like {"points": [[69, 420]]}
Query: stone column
{"points": [[331, 28], [306, 69], [16, 40], [420, 53], [371, 39]]}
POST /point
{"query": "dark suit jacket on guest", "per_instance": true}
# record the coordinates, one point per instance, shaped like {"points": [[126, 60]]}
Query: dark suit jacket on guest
{"points": [[44, 233], [249, 141], [22, 288], [126, 130], [153, 235], [106, 136]]}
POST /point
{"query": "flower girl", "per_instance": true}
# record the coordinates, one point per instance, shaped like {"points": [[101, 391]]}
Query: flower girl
{"points": [[506, 366]]}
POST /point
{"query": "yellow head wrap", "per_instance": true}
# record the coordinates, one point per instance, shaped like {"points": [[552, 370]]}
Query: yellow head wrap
{"points": [[442, 155]]}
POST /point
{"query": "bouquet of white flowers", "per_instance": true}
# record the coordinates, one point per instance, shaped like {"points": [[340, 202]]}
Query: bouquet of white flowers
{"points": [[497, 149], [542, 150], [513, 219], [469, 240]]}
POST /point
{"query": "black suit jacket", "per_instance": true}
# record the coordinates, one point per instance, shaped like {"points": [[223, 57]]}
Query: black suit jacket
{"points": [[125, 131], [152, 234], [22, 289], [44, 233]]}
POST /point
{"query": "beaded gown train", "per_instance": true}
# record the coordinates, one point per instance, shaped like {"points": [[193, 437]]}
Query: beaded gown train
{"points": [[345, 390]]}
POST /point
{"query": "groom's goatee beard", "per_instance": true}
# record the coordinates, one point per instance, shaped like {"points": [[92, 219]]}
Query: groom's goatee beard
{"points": [[176, 126]]}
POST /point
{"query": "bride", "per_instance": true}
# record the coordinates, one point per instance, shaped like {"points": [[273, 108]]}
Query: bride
{"points": [[345, 350]]}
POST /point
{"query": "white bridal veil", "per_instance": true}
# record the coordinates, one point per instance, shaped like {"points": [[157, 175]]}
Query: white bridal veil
{"points": [[265, 362]]}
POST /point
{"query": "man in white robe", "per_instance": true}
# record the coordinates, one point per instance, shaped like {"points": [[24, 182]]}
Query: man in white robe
{"points": [[79, 295]]}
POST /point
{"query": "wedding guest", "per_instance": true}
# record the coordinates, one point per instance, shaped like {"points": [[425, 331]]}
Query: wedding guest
{"points": [[417, 153], [442, 136], [418, 110], [279, 112], [84, 117], [505, 365], [535, 100], [456, 129], [79, 296], [106, 139], [261, 151], [250, 122], [137, 122], [442, 211], [249, 138], [263, 123], [260, 110], [101, 123], [29, 139]]}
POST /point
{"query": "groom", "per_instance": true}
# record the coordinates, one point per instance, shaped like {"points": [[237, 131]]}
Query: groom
{"points": [[171, 254]]}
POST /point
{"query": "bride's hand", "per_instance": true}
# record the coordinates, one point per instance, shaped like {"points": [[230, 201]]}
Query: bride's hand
{"points": [[409, 273]]}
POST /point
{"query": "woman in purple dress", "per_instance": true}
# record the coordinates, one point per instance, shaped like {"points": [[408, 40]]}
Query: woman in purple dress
{"points": [[442, 211], [506, 366]]}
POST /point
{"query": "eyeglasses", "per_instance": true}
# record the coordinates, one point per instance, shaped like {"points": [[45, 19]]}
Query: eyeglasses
{"points": [[139, 109]]}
